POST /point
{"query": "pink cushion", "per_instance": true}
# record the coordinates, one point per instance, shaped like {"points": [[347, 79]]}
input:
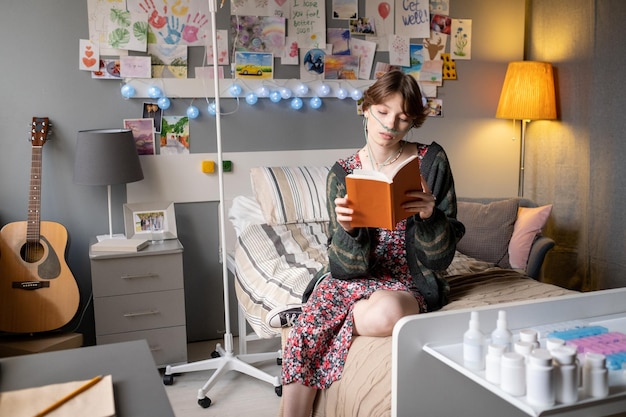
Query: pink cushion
{"points": [[529, 223]]}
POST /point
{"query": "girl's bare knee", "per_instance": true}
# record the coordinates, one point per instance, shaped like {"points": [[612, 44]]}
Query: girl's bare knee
{"points": [[378, 315]]}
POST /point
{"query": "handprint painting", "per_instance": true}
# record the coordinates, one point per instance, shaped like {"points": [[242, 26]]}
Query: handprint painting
{"points": [[171, 22], [175, 22]]}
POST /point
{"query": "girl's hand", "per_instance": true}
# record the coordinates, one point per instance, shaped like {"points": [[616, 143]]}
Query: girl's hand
{"points": [[423, 203], [344, 213]]}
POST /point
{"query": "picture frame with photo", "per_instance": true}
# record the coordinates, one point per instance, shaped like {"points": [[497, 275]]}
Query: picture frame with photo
{"points": [[148, 219]]}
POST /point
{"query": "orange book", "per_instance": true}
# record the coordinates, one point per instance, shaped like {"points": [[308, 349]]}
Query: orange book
{"points": [[377, 199]]}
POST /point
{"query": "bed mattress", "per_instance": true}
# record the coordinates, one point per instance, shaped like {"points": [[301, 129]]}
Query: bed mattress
{"points": [[274, 264]]}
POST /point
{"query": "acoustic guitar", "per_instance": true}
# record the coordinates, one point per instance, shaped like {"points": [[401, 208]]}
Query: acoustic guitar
{"points": [[38, 292]]}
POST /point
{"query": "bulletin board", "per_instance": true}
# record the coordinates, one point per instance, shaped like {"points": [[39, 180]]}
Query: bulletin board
{"points": [[312, 48]]}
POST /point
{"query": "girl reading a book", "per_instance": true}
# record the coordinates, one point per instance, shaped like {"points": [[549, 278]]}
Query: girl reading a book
{"points": [[374, 276]]}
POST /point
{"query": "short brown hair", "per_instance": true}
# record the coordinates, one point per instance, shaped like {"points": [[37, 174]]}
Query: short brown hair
{"points": [[396, 81]]}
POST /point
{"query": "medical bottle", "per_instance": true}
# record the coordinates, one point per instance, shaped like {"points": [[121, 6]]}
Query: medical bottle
{"points": [[540, 378], [492, 363], [595, 375], [513, 374], [501, 334], [565, 374], [530, 336], [474, 345]]}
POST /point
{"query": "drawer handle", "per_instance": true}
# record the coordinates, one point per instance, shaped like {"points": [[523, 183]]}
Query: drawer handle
{"points": [[142, 313], [135, 276]]}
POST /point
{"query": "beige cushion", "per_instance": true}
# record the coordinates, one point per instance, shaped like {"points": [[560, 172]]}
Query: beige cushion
{"points": [[291, 194]]}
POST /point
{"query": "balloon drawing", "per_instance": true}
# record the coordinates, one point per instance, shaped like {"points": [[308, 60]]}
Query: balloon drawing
{"points": [[383, 9]]}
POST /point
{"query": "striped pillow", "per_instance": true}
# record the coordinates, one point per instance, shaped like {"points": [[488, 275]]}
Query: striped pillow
{"points": [[291, 194]]}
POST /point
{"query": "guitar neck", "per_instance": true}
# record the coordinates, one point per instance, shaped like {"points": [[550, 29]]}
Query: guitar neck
{"points": [[34, 197]]}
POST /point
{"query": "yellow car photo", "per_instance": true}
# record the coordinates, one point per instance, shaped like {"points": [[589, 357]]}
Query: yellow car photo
{"points": [[250, 69]]}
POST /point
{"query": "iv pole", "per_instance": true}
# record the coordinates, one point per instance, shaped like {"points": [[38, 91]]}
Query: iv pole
{"points": [[223, 359]]}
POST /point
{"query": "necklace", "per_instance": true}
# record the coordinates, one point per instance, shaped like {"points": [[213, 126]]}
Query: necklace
{"points": [[390, 160]]}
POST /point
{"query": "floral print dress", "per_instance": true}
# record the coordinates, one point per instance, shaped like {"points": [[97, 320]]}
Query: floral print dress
{"points": [[318, 344]]}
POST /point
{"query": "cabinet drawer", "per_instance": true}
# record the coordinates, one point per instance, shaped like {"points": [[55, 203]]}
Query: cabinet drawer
{"points": [[127, 313], [136, 274], [168, 346]]}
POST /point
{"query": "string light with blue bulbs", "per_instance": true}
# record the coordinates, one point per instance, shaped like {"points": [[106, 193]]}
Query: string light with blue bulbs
{"points": [[275, 91]]}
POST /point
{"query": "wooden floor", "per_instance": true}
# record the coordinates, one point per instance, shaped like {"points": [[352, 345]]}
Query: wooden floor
{"points": [[234, 394]]}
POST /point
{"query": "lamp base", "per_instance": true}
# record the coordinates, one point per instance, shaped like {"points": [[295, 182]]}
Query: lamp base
{"points": [[108, 236]]}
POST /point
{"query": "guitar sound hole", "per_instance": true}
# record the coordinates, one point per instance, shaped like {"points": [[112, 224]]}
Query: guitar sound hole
{"points": [[32, 252]]}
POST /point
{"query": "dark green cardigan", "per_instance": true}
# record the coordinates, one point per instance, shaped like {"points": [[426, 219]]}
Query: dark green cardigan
{"points": [[430, 243]]}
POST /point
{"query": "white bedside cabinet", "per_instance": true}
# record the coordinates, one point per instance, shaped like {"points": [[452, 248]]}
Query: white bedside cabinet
{"points": [[140, 295]]}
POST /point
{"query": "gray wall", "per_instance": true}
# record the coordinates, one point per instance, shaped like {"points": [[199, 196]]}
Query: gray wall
{"points": [[41, 78]]}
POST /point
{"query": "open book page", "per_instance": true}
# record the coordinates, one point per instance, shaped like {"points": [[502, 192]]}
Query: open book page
{"points": [[377, 199], [377, 175]]}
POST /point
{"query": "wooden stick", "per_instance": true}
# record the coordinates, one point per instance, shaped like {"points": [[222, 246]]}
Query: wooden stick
{"points": [[69, 396]]}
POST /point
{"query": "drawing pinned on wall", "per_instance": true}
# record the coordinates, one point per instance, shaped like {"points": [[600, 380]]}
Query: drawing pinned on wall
{"points": [[89, 55], [339, 38], [412, 18], [258, 33], [312, 67], [399, 50], [168, 61], [345, 9], [222, 48], [132, 66], [127, 30], [307, 22], [440, 7], [416, 61], [98, 15], [175, 135], [461, 39], [430, 72], [183, 22], [291, 52], [435, 46], [365, 50], [254, 65], [382, 14], [341, 67], [449, 67], [143, 133]]}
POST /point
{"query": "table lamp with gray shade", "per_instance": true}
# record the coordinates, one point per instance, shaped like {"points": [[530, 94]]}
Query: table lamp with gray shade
{"points": [[106, 157]]}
